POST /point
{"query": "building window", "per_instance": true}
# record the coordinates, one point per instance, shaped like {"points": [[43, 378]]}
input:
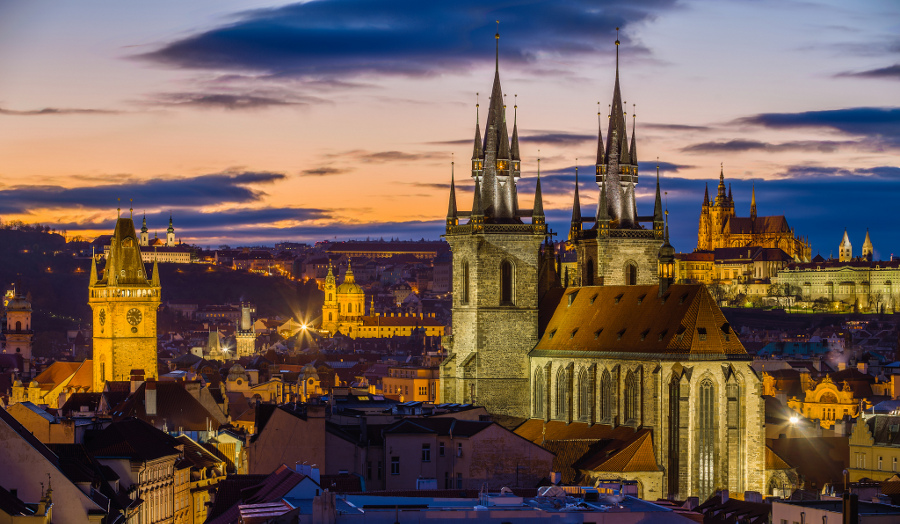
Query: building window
{"points": [[584, 397], [464, 292], [879, 463], [562, 394], [538, 401], [630, 275], [459, 483], [706, 427], [395, 465], [632, 398], [506, 283], [426, 452], [894, 464], [606, 396], [441, 449], [459, 449]]}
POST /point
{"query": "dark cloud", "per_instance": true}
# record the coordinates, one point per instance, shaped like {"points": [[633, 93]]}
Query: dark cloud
{"points": [[55, 111], [884, 72], [204, 190], [224, 101], [675, 127], [738, 145], [559, 139], [189, 221], [325, 171], [881, 125], [325, 39]]}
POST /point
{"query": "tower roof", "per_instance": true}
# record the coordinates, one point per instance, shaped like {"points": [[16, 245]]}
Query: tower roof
{"points": [[538, 210], [845, 242], [576, 204], [477, 152], [514, 148], [124, 265], [451, 210]]}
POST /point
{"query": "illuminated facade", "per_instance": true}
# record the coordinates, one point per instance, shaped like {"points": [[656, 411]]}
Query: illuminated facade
{"points": [[720, 227], [124, 300]]}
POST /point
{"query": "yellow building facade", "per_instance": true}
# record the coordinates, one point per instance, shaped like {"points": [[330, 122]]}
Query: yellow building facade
{"points": [[875, 448], [124, 300]]}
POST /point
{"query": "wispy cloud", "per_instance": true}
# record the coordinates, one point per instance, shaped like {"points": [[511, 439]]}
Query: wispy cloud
{"points": [[325, 171], [890, 72], [225, 101], [55, 111], [881, 125], [739, 145]]}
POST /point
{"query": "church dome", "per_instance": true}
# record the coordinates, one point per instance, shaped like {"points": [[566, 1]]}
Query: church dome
{"points": [[19, 303], [349, 285]]}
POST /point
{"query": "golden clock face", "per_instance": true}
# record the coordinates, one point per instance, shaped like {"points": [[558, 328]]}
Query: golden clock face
{"points": [[102, 317], [133, 316]]}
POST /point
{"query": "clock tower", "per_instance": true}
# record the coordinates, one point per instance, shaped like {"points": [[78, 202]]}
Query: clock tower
{"points": [[124, 300]]}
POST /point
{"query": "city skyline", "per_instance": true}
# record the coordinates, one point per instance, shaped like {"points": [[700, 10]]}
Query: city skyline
{"points": [[256, 122]]}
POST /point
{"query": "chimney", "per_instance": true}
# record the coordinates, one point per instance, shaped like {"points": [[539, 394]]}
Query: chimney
{"points": [[137, 378], [150, 398]]}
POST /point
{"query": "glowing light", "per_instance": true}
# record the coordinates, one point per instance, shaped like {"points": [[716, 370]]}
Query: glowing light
{"points": [[303, 327], [794, 420]]}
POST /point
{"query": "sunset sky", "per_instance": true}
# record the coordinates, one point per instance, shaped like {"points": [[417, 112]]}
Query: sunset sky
{"points": [[262, 121]]}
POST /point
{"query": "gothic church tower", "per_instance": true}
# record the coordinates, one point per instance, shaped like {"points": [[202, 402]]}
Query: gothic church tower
{"points": [[615, 249], [495, 275], [245, 334], [124, 301], [330, 307]]}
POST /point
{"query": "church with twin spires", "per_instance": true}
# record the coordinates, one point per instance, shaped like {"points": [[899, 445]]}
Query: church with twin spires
{"points": [[648, 374]]}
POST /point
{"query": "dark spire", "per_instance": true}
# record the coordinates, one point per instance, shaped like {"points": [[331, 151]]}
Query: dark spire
{"points": [[657, 207], [537, 213], [514, 148], [600, 158], [575, 227], [497, 58], [503, 149], [603, 205], [706, 195], [477, 152], [730, 199], [634, 159], [452, 219], [617, 116], [477, 210], [720, 194], [144, 224], [171, 228]]}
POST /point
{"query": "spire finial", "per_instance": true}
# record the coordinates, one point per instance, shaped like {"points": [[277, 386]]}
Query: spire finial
{"points": [[497, 37], [539, 166], [515, 107], [617, 51], [131, 207], [477, 105], [119, 208]]}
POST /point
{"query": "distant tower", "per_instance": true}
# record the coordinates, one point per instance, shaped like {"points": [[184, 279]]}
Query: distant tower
{"points": [[351, 301], [145, 233], [18, 329], [124, 303], [245, 333], [867, 251], [213, 347], [845, 250], [495, 276], [330, 308], [170, 234]]}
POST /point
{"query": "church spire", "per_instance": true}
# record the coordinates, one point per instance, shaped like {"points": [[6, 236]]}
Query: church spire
{"points": [[537, 213], [155, 281], [753, 203], [600, 156], [477, 153], [721, 197], [452, 217], [477, 210], [706, 195], [634, 159], [657, 208], [514, 148], [93, 271], [575, 227]]}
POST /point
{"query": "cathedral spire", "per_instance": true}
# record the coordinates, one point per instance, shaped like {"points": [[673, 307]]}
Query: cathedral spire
{"points": [[155, 281], [452, 217], [706, 195], [477, 153], [477, 210], [633, 152], [514, 148], [537, 213], [93, 270], [721, 197], [730, 197], [753, 203], [575, 227], [657, 208], [600, 157]]}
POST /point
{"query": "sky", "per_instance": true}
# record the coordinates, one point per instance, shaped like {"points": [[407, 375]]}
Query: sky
{"points": [[255, 122]]}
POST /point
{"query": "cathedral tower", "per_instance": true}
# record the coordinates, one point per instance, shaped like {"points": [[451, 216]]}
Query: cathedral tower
{"points": [[124, 302], [330, 307], [867, 250], [613, 247], [170, 234], [18, 330], [495, 275], [845, 250], [245, 334]]}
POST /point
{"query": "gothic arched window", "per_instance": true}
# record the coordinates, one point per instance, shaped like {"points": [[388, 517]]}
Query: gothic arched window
{"points": [[584, 397], [674, 447], [706, 431], [606, 396], [632, 398], [562, 394], [538, 401], [506, 283], [630, 275], [589, 273], [329, 316]]}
